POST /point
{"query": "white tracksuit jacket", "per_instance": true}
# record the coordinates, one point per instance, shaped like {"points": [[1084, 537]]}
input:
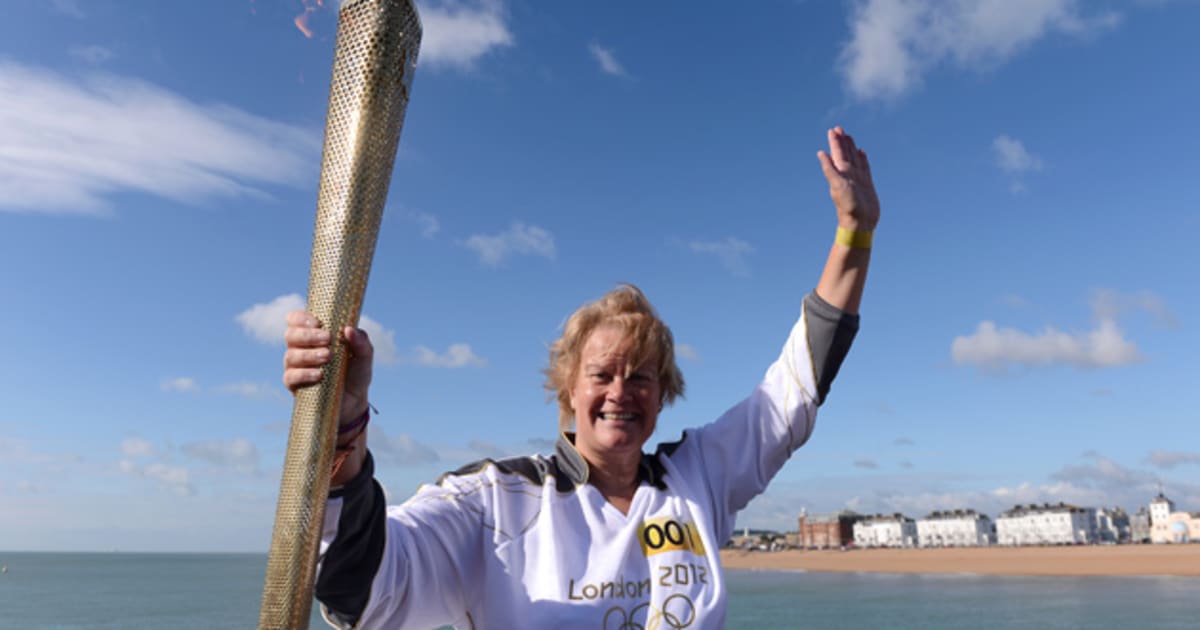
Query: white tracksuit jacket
{"points": [[527, 542]]}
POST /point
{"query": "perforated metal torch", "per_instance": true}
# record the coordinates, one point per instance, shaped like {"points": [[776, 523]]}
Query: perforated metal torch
{"points": [[373, 65]]}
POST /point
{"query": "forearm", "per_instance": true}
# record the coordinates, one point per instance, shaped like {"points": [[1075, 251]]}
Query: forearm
{"points": [[844, 277], [353, 461]]}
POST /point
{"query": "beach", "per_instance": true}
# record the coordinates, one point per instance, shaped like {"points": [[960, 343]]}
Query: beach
{"points": [[1125, 560]]}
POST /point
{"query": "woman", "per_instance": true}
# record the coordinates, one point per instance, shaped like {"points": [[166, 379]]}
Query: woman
{"points": [[599, 534]]}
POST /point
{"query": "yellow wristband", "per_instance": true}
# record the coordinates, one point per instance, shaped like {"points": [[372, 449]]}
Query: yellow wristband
{"points": [[852, 239]]}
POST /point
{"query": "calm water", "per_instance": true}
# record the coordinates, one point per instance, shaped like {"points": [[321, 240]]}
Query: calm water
{"points": [[141, 591]]}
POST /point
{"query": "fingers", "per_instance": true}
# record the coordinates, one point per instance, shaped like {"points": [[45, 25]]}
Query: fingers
{"points": [[847, 158], [358, 342], [836, 150], [304, 331], [827, 167]]}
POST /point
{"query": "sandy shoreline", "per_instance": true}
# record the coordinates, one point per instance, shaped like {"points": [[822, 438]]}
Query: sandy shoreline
{"points": [[1083, 560]]}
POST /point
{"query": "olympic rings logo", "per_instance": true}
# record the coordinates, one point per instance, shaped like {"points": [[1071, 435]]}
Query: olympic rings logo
{"points": [[678, 612]]}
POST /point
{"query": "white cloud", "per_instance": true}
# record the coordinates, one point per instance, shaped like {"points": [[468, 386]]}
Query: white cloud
{"points": [[179, 384], [429, 224], [456, 356], [519, 239], [731, 252], [895, 42], [1170, 459], [866, 463], [136, 447], [70, 142], [687, 351], [996, 348], [253, 391], [239, 454], [177, 479], [458, 33], [268, 322], [993, 347], [608, 62], [1012, 157], [384, 340], [92, 54]]}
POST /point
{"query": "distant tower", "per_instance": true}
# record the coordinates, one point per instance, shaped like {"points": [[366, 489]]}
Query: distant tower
{"points": [[1160, 509]]}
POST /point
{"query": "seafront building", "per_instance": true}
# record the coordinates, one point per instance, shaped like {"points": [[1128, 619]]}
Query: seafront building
{"points": [[1046, 524], [1112, 525], [956, 528], [827, 531], [1170, 526], [1139, 526], [893, 530]]}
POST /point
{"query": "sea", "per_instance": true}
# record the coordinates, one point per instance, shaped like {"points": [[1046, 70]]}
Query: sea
{"points": [[212, 591]]}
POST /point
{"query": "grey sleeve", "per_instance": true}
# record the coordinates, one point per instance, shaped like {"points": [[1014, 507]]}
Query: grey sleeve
{"points": [[352, 559], [830, 332]]}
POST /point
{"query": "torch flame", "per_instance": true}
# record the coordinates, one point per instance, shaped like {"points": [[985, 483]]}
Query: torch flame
{"points": [[301, 21]]}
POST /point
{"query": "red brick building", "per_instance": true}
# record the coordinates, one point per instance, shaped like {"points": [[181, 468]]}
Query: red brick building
{"points": [[827, 531]]}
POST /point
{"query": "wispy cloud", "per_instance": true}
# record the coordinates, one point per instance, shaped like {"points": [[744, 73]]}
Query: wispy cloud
{"points": [[69, 8], [136, 447], [94, 55], [177, 479], [401, 450], [179, 384], [459, 33], [995, 349], [1168, 460], [893, 43], [687, 351], [608, 62], [456, 356], [238, 454], [70, 142], [1110, 304], [903, 441], [544, 445], [731, 252], [1013, 157], [483, 449], [868, 464], [429, 224], [518, 240]]}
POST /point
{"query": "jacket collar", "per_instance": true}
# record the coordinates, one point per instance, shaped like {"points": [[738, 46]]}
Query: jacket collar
{"points": [[574, 467]]}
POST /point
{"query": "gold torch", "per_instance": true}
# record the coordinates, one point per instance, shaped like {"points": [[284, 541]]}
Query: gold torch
{"points": [[373, 64]]}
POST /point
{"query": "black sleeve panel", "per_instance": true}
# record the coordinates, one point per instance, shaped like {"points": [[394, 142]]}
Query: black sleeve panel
{"points": [[830, 332], [351, 561]]}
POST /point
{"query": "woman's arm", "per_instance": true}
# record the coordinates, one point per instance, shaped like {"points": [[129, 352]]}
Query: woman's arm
{"points": [[853, 192]]}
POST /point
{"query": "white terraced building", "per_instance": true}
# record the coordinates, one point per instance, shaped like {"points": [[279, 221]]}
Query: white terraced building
{"points": [[895, 530], [1046, 524], [956, 528]]}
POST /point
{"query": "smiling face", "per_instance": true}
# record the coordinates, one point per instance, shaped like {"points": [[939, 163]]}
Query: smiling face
{"points": [[615, 404]]}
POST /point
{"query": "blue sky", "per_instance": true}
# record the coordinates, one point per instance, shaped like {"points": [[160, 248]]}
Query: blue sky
{"points": [[1028, 330]]}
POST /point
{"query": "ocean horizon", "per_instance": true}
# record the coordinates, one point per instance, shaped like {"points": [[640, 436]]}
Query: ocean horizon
{"points": [[69, 590]]}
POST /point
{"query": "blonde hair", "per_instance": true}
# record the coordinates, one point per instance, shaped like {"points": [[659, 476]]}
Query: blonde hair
{"points": [[626, 308]]}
